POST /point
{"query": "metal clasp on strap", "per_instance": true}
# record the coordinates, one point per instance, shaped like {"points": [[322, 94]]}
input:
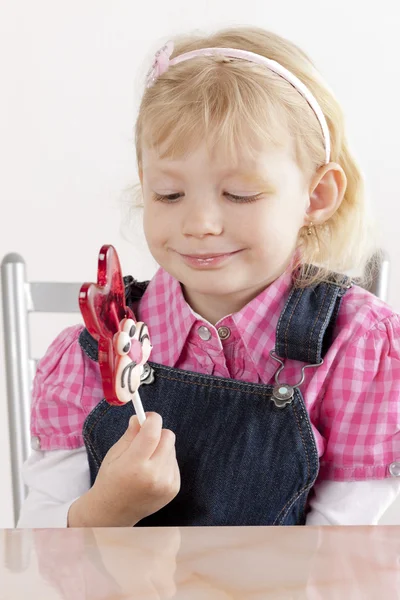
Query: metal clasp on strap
{"points": [[283, 394], [147, 375]]}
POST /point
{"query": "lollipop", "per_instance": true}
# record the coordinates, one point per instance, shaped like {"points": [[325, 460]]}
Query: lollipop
{"points": [[124, 344]]}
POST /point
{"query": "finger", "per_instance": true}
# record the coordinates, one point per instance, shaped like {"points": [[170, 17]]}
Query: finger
{"points": [[133, 428], [171, 466], [165, 446], [176, 476], [126, 438], [148, 438]]}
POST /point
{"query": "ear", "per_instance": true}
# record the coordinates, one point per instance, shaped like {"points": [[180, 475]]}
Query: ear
{"points": [[327, 189]]}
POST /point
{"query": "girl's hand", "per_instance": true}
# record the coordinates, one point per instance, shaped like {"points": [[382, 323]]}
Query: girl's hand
{"points": [[138, 476]]}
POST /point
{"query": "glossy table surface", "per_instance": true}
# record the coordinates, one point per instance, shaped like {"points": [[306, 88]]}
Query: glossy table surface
{"points": [[232, 563]]}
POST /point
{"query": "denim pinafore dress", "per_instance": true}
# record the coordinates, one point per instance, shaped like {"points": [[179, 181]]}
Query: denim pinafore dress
{"points": [[246, 452]]}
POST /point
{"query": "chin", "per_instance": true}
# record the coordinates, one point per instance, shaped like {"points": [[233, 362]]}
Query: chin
{"points": [[211, 283]]}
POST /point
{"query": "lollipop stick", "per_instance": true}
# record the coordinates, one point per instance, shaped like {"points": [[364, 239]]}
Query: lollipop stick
{"points": [[137, 403]]}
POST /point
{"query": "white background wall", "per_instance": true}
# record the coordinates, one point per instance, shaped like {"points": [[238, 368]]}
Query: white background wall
{"points": [[71, 75]]}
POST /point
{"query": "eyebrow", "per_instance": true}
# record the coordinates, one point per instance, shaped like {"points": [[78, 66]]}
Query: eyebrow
{"points": [[249, 176], [168, 171]]}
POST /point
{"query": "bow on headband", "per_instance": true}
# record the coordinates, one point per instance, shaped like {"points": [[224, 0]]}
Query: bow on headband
{"points": [[160, 64]]}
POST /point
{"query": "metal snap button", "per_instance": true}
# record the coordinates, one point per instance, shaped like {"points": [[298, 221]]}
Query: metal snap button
{"points": [[204, 333], [282, 395], [147, 375], [224, 333], [35, 442], [394, 469]]}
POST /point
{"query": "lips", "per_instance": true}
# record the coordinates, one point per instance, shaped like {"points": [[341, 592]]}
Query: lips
{"points": [[208, 261], [206, 256]]}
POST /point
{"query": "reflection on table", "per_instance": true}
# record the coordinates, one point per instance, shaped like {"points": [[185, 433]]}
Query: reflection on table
{"points": [[238, 563]]}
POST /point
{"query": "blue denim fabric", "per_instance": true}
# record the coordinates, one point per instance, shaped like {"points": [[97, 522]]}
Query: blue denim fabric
{"points": [[305, 327], [243, 460]]}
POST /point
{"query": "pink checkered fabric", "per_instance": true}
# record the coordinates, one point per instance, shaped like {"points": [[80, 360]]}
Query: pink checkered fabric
{"points": [[353, 399]]}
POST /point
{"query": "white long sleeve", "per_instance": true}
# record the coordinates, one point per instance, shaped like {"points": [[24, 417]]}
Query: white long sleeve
{"points": [[56, 478], [352, 502]]}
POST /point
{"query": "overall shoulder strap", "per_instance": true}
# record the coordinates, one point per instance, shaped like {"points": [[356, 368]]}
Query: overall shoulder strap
{"points": [[305, 327]]}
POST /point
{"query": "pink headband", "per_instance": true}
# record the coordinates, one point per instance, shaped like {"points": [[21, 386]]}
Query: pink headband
{"points": [[162, 63]]}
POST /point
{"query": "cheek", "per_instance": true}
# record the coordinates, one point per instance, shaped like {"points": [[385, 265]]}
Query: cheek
{"points": [[157, 226], [256, 220], [271, 224], [150, 227]]}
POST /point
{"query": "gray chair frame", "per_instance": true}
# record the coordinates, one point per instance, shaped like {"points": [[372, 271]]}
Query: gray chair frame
{"points": [[20, 298]]}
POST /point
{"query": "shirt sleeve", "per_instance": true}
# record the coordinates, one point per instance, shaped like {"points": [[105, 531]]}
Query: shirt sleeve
{"points": [[55, 479], [351, 502], [360, 411], [66, 387]]}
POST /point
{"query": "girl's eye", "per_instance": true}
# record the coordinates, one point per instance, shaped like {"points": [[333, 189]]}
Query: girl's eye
{"points": [[173, 198], [168, 198], [243, 199]]}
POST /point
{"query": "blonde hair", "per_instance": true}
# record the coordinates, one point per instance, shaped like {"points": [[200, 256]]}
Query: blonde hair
{"points": [[238, 104]]}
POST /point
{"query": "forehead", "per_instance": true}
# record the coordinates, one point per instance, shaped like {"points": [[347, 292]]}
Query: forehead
{"points": [[244, 160]]}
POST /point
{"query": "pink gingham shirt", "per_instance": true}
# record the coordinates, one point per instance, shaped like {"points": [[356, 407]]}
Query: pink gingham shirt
{"points": [[353, 399]]}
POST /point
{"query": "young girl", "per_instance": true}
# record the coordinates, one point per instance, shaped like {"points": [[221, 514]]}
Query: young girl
{"points": [[275, 396]]}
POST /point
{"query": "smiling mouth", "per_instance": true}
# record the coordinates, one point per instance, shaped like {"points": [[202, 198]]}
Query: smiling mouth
{"points": [[208, 261], [209, 256]]}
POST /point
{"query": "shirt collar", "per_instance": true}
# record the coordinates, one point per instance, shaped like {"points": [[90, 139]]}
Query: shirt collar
{"points": [[168, 316], [256, 322]]}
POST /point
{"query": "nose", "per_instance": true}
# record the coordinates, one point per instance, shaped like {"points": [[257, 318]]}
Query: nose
{"points": [[203, 217]]}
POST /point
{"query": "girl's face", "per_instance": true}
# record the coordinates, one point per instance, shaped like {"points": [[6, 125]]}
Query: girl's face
{"points": [[223, 229]]}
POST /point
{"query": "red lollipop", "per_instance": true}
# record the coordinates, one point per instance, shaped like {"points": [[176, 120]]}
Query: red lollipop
{"points": [[124, 344]]}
